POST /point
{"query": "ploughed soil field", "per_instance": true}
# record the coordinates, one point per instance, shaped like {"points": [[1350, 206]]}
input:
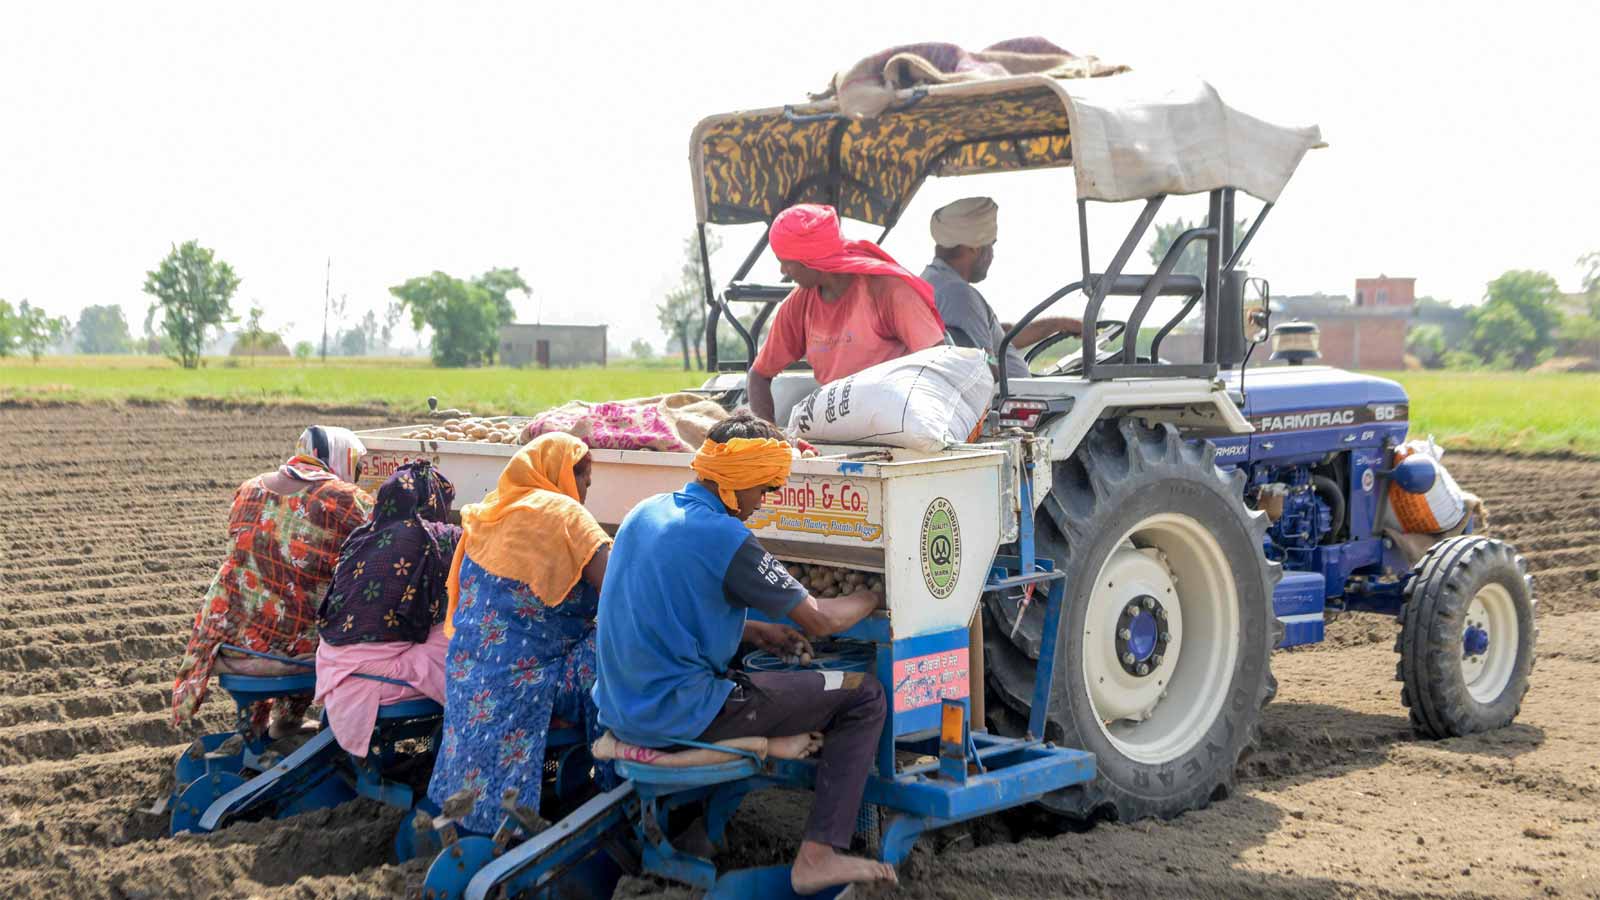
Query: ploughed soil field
{"points": [[112, 522]]}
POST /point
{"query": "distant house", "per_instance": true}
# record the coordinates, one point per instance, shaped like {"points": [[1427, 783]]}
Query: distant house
{"points": [[552, 346], [1367, 334]]}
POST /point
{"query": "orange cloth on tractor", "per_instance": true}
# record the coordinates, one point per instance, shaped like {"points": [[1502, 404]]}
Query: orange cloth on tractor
{"points": [[532, 527], [1440, 508], [743, 463]]}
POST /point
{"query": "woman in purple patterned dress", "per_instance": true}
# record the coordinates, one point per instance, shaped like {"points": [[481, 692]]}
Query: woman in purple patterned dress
{"points": [[384, 613]]}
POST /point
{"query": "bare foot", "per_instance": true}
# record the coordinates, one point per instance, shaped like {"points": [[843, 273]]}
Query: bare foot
{"points": [[819, 866], [794, 746]]}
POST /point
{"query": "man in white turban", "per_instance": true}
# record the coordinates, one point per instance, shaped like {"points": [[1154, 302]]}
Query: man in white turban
{"points": [[965, 232]]}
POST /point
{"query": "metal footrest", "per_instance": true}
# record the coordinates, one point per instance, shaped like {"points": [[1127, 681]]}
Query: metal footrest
{"points": [[289, 780]]}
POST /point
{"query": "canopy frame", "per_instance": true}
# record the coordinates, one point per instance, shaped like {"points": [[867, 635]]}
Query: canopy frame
{"points": [[1284, 147]]}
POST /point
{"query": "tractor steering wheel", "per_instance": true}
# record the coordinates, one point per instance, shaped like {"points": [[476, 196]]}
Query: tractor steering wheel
{"points": [[1039, 348], [1107, 331]]}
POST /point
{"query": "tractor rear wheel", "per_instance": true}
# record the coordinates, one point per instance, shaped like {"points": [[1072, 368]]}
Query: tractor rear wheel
{"points": [[1162, 664]]}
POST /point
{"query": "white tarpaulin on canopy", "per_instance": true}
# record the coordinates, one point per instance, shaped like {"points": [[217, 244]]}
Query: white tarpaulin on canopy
{"points": [[1133, 139]]}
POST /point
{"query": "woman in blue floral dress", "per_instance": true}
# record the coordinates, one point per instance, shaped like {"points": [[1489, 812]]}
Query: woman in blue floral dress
{"points": [[524, 589]]}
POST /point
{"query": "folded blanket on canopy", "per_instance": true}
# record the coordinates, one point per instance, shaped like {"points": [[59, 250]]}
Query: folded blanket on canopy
{"points": [[674, 422], [867, 88]]}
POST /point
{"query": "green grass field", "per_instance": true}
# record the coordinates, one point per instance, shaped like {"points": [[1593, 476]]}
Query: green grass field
{"points": [[1512, 412], [402, 385], [1489, 411]]}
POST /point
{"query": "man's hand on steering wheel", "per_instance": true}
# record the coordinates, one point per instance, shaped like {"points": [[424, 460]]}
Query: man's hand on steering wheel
{"points": [[1107, 331]]}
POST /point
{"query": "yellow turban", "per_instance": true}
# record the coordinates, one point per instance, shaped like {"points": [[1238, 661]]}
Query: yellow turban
{"points": [[742, 463]]}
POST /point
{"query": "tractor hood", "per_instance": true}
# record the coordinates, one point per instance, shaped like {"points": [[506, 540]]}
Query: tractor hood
{"points": [[1272, 390]]}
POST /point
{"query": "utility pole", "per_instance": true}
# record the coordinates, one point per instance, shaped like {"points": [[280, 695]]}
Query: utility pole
{"points": [[327, 275]]}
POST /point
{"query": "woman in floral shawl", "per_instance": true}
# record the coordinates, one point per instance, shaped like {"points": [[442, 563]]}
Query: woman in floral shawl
{"points": [[285, 530], [383, 615], [524, 589]]}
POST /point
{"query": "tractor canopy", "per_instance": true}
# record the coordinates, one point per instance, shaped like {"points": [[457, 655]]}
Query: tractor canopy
{"points": [[1126, 136]]}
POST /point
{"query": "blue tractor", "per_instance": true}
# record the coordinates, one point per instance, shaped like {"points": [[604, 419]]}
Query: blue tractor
{"points": [[1204, 511]]}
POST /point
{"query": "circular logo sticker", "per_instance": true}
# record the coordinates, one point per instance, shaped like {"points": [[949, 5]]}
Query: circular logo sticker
{"points": [[941, 548], [1367, 480]]}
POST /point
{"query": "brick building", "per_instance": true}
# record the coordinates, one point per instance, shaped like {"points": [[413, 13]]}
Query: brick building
{"points": [[1384, 291], [1367, 334]]}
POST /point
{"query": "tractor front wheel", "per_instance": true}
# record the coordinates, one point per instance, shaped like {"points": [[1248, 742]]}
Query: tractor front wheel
{"points": [[1466, 637], [1167, 631]]}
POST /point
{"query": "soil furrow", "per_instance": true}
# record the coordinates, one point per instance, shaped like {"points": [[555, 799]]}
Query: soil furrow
{"points": [[123, 524]]}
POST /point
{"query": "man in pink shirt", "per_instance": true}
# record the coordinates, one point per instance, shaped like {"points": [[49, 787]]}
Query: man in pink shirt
{"points": [[852, 306]]}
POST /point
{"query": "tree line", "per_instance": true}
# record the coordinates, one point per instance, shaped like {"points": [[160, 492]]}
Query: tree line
{"points": [[193, 291], [1524, 318], [1523, 321]]}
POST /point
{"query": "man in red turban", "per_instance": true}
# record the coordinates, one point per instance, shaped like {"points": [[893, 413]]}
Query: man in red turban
{"points": [[852, 306]]}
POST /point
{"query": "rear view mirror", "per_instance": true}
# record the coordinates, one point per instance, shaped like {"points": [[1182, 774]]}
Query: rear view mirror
{"points": [[1257, 310]]}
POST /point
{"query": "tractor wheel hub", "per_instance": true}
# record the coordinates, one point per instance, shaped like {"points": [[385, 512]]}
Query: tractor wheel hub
{"points": [[1142, 636]]}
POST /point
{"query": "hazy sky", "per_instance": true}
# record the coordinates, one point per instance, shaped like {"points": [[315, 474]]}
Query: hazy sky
{"points": [[400, 138]]}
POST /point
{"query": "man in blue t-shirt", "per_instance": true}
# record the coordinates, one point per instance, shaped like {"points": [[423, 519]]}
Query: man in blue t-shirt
{"points": [[684, 570]]}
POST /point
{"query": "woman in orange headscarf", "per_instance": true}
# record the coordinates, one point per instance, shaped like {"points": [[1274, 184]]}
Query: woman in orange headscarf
{"points": [[524, 588]]}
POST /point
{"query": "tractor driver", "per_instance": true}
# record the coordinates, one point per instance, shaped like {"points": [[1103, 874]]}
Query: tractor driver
{"points": [[683, 572], [964, 233], [852, 306]]}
